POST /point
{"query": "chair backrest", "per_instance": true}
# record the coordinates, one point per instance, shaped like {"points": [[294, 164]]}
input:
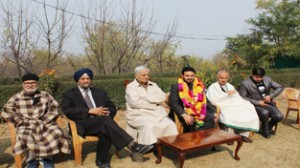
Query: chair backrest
{"points": [[166, 103], [292, 97], [176, 119], [291, 93], [12, 132]]}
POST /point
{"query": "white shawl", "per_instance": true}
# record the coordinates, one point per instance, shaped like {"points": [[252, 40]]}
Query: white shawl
{"points": [[236, 112]]}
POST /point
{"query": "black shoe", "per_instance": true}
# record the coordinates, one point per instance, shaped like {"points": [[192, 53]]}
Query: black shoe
{"points": [[101, 164], [247, 140], [266, 135], [142, 149], [137, 157], [271, 132]]}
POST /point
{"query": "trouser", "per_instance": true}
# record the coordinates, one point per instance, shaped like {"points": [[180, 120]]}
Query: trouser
{"points": [[29, 154], [109, 133], [208, 123], [264, 113]]}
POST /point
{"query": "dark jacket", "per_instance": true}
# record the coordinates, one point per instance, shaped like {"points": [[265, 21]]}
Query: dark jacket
{"points": [[177, 105], [75, 108], [249, 91]]}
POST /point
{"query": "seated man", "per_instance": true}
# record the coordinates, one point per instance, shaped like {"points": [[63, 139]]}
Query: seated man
{"points": [[33, 113], [145, 112], [93, 113], [257, 89], [236, 113], [188, 100]]}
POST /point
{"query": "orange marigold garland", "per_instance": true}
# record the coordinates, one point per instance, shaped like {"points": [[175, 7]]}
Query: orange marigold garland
{"points": [[194, 101]]}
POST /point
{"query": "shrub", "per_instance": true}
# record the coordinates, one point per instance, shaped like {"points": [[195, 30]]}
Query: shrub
{"points": [[7, 91]]}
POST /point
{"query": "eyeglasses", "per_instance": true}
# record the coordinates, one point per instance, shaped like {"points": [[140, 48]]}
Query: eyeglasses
{"points": [[29, 83]]}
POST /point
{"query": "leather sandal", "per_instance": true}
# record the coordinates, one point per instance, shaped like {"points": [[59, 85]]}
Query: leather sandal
{"points": [[247, 140]]}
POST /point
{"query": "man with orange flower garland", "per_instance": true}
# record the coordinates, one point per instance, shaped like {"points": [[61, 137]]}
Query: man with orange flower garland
{"points": [[188, 100]]}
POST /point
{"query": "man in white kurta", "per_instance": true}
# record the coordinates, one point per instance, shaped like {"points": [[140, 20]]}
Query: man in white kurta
{"points": [[146, 117], [235, 112]]}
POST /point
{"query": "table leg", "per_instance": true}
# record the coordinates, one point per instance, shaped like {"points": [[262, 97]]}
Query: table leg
{"points": [[240, 143], [158, 147], [181, 158]]}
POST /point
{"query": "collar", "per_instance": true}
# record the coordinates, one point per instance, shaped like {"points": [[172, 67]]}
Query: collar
{"points": [[82, 90], [261, 82], [137, 84], [36, 94]]}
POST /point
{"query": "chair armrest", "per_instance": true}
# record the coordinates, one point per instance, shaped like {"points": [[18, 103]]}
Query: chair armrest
{"points": [[293, 100], [73, 127], [60, 120], [218, 110], [12, 132], [12, 129]]}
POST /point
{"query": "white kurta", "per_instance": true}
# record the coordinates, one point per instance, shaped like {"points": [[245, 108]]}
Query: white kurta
{"points": [[236, 112], [145, 113]]}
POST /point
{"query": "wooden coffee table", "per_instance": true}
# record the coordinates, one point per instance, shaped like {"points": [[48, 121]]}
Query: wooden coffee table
{"points": [[197, 140]]}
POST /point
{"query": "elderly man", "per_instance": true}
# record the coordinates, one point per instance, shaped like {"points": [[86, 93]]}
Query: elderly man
{"points": [[188, 100], [93, 113], [236, 113], [257, 89], [33, 113], [145, 112]]}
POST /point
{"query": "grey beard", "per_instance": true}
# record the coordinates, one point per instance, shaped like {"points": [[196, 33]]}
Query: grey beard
{"points": [[30, 92]]}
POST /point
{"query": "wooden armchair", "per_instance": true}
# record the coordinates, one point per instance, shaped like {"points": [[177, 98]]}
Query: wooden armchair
{"points": [[176, 119], [292, 97], [77, 141], [12, 131]]}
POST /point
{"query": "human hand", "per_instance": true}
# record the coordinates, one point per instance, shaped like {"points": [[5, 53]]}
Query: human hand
{"points": [[267, 99], [231, 92], [216, 118], [262, 103], [189, 120], [100, 111]]}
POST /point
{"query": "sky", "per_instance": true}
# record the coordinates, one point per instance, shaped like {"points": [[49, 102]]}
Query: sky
{"points": [[202, 25], [205, 23]]}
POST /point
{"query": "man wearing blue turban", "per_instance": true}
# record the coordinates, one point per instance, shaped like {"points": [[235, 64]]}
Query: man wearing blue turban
{"points": [[93, 113]]}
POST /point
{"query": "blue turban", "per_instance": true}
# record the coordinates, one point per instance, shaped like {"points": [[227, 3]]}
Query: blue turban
{"points": [[80, 72]]}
